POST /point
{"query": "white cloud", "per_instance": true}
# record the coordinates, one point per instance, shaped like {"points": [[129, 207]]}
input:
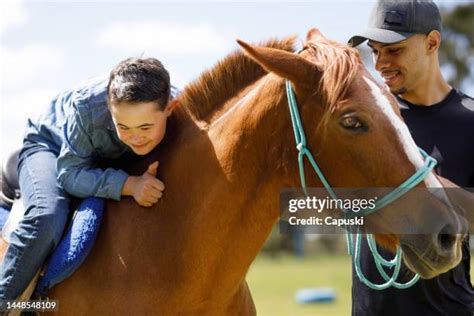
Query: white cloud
{"points": [[164, 37], [28, 64], [12, 13]]}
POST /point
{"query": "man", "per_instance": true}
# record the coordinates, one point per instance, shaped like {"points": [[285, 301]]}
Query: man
{"points": [[405, 37]]}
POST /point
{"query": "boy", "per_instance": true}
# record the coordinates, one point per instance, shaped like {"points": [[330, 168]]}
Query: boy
{"points": [[101, 119]]}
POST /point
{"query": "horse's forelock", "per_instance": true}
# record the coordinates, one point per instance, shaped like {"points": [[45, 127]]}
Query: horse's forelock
{"points": [[340, 64]]}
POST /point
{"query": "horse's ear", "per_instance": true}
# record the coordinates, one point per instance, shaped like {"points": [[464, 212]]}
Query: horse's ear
{"points": [[285, 64], [314, 34]]}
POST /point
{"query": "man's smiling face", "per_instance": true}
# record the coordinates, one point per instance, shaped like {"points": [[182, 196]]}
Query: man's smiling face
{"points": [[402, 65]]}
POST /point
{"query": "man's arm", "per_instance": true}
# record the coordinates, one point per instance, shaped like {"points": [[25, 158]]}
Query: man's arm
{"points": [[76, 171], [462, 199]]}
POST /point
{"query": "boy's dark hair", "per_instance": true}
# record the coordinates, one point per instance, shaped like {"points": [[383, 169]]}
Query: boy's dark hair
{"points": [[139, 80]]}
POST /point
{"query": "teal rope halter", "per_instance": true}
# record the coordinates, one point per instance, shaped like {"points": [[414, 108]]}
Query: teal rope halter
{"points": [[410, 183]]}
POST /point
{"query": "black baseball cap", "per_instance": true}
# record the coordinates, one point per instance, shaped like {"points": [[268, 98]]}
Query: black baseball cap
{"points": [[392, 21]]}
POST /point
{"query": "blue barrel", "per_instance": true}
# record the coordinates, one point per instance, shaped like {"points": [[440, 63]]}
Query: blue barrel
{"points": [[315, 295]]}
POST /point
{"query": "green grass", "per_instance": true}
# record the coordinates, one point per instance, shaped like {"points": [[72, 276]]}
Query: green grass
{"points": [[274, 282]]}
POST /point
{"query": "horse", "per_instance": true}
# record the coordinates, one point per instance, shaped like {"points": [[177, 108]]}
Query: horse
{"points": [[229, 150]]}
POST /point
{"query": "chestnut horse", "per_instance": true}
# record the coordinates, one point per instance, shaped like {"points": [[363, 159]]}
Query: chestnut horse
{"points": [[229, 151]]}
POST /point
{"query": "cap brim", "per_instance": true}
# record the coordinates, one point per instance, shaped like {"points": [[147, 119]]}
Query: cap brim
{"points": [[379, 35]]}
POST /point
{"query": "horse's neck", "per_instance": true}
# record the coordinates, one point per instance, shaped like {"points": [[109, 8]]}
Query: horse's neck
{"points": [[253, 145], [251, 139], [246, 151]]}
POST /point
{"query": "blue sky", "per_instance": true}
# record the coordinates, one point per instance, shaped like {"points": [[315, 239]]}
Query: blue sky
{"points": [[49, 46]]}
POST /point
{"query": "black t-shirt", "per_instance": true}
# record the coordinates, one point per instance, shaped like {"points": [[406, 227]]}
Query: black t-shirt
{"points": [[446, 132]]}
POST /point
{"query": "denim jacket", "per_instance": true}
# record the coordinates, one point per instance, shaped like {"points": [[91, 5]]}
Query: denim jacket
{"points": [[78, 127]]}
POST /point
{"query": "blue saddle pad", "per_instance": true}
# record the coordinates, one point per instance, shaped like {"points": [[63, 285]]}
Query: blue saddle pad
{"points": [[75, 245]]}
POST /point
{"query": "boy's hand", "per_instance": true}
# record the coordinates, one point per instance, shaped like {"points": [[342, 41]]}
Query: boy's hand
{"points": [[145, 189]]}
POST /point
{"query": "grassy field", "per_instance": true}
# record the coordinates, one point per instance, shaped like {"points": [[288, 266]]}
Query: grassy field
{"points": [[274, 282]]}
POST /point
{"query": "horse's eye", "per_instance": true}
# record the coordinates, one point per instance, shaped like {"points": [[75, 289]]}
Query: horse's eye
{"points": [[353, 123]]}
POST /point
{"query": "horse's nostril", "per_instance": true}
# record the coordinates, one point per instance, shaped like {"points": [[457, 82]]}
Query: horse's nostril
{"points": [[446, 241]]}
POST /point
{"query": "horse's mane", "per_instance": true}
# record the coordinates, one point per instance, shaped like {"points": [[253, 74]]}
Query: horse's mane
{"points": [[340, 63], [207, 94]]}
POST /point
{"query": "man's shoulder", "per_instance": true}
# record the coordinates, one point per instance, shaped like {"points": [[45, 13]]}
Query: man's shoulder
{"points": [[466, 100]]}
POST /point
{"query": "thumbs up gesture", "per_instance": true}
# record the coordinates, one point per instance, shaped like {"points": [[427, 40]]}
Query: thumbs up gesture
{"points": [[153, 168], [145, 189]]}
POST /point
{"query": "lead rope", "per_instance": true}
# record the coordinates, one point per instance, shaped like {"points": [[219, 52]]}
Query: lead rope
{"points": [[410, 183]]}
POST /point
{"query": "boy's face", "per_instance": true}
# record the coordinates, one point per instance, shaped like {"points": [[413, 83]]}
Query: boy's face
{"points": [[141, 126], [402, 65]]}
